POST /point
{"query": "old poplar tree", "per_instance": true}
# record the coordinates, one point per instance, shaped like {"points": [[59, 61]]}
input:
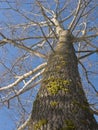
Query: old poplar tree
{"points": [[65, 35]]}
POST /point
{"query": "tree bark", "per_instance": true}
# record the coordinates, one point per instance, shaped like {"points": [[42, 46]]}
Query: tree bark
{"points": [[61, 103]]}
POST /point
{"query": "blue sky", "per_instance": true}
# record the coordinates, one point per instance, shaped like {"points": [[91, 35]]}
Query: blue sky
{"points": [[6, 119]]}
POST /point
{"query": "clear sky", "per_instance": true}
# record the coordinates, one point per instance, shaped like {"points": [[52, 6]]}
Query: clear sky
{"points": [[7, 118]]}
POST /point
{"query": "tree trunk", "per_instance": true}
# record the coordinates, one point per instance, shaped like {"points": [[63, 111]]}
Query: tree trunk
{"points": [[61, 103]]}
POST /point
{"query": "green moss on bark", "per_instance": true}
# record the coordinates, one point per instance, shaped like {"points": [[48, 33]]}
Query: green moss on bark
{"points": [[53, 103], [39, 124], [69, 125]]}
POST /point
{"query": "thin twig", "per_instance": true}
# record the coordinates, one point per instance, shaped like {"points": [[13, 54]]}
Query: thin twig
{"points": [[87, 78]]}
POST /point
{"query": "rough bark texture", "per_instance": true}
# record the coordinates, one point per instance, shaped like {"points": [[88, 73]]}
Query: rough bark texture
{"points": [[61, 103]]}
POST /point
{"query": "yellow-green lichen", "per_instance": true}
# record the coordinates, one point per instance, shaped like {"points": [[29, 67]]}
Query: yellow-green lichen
{"points": [[54, 85], [63, 62], [58, 67], [69, 125], [67, 82], [53, 103], [59, 57], [66, 90], [39, 124]]}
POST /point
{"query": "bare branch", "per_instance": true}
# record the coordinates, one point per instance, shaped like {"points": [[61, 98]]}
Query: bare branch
{"points": [[68, 17], [8, 97], [25, 124], [75, 16], [82, 57], [23, 47], [83, 38], [80, 9], [28, 85], [47, 18], [20, 78], [46, 39], [87, 78], [64, 7], [88, 12], [27, 25], [95, 111]]}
